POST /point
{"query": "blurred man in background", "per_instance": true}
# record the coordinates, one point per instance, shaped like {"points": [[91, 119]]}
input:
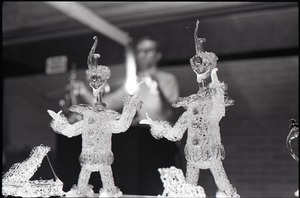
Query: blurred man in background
{"points": [[159, 90]]}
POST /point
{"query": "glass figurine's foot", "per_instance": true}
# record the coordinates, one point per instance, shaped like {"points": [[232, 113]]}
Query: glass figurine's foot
{"points": [[223, 194], [115, 192], [84, 192]]}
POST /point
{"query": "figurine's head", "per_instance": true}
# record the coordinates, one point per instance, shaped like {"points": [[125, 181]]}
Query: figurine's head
{"points": [[203, 62], [97, 75]]}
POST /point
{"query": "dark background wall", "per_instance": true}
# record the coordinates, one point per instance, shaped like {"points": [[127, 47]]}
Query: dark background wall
{"points": [[267, 32], [258, 59]]}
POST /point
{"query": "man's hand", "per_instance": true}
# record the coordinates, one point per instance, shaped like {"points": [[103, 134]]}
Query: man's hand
{"points": [[136, 92], [152, 84]]}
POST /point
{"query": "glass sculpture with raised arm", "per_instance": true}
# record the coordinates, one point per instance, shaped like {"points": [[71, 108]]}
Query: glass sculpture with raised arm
{"points": [[203, 112], [96, 128]]}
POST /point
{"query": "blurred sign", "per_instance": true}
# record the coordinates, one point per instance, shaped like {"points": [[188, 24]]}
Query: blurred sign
{"points": [[56, 64]]}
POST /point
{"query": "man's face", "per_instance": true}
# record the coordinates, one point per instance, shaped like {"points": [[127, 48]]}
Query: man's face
{"points": [[146, 55]]}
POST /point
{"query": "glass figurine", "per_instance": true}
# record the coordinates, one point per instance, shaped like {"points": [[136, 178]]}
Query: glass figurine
{"points": [[16, 181], [176, 186], [96, 127], [293, 134], [203, 112]]}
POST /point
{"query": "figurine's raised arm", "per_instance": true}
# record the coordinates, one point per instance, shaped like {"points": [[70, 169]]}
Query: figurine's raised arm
{"points": [[131, 105], [61, 125], [162, 128], [219, 99]]}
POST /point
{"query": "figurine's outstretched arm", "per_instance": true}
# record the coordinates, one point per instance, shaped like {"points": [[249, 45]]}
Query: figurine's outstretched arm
{"points": [[61, 125], [162, 128]]}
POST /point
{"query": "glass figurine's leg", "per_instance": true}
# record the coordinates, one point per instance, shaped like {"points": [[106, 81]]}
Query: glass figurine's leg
{"points": [[109, 189], [192, 174], [84, 177], [83, 180], [107, 177], [222, 182], [82, 189]]}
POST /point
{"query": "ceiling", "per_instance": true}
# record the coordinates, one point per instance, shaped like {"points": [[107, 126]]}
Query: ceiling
{"points": [[30, 21]]}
